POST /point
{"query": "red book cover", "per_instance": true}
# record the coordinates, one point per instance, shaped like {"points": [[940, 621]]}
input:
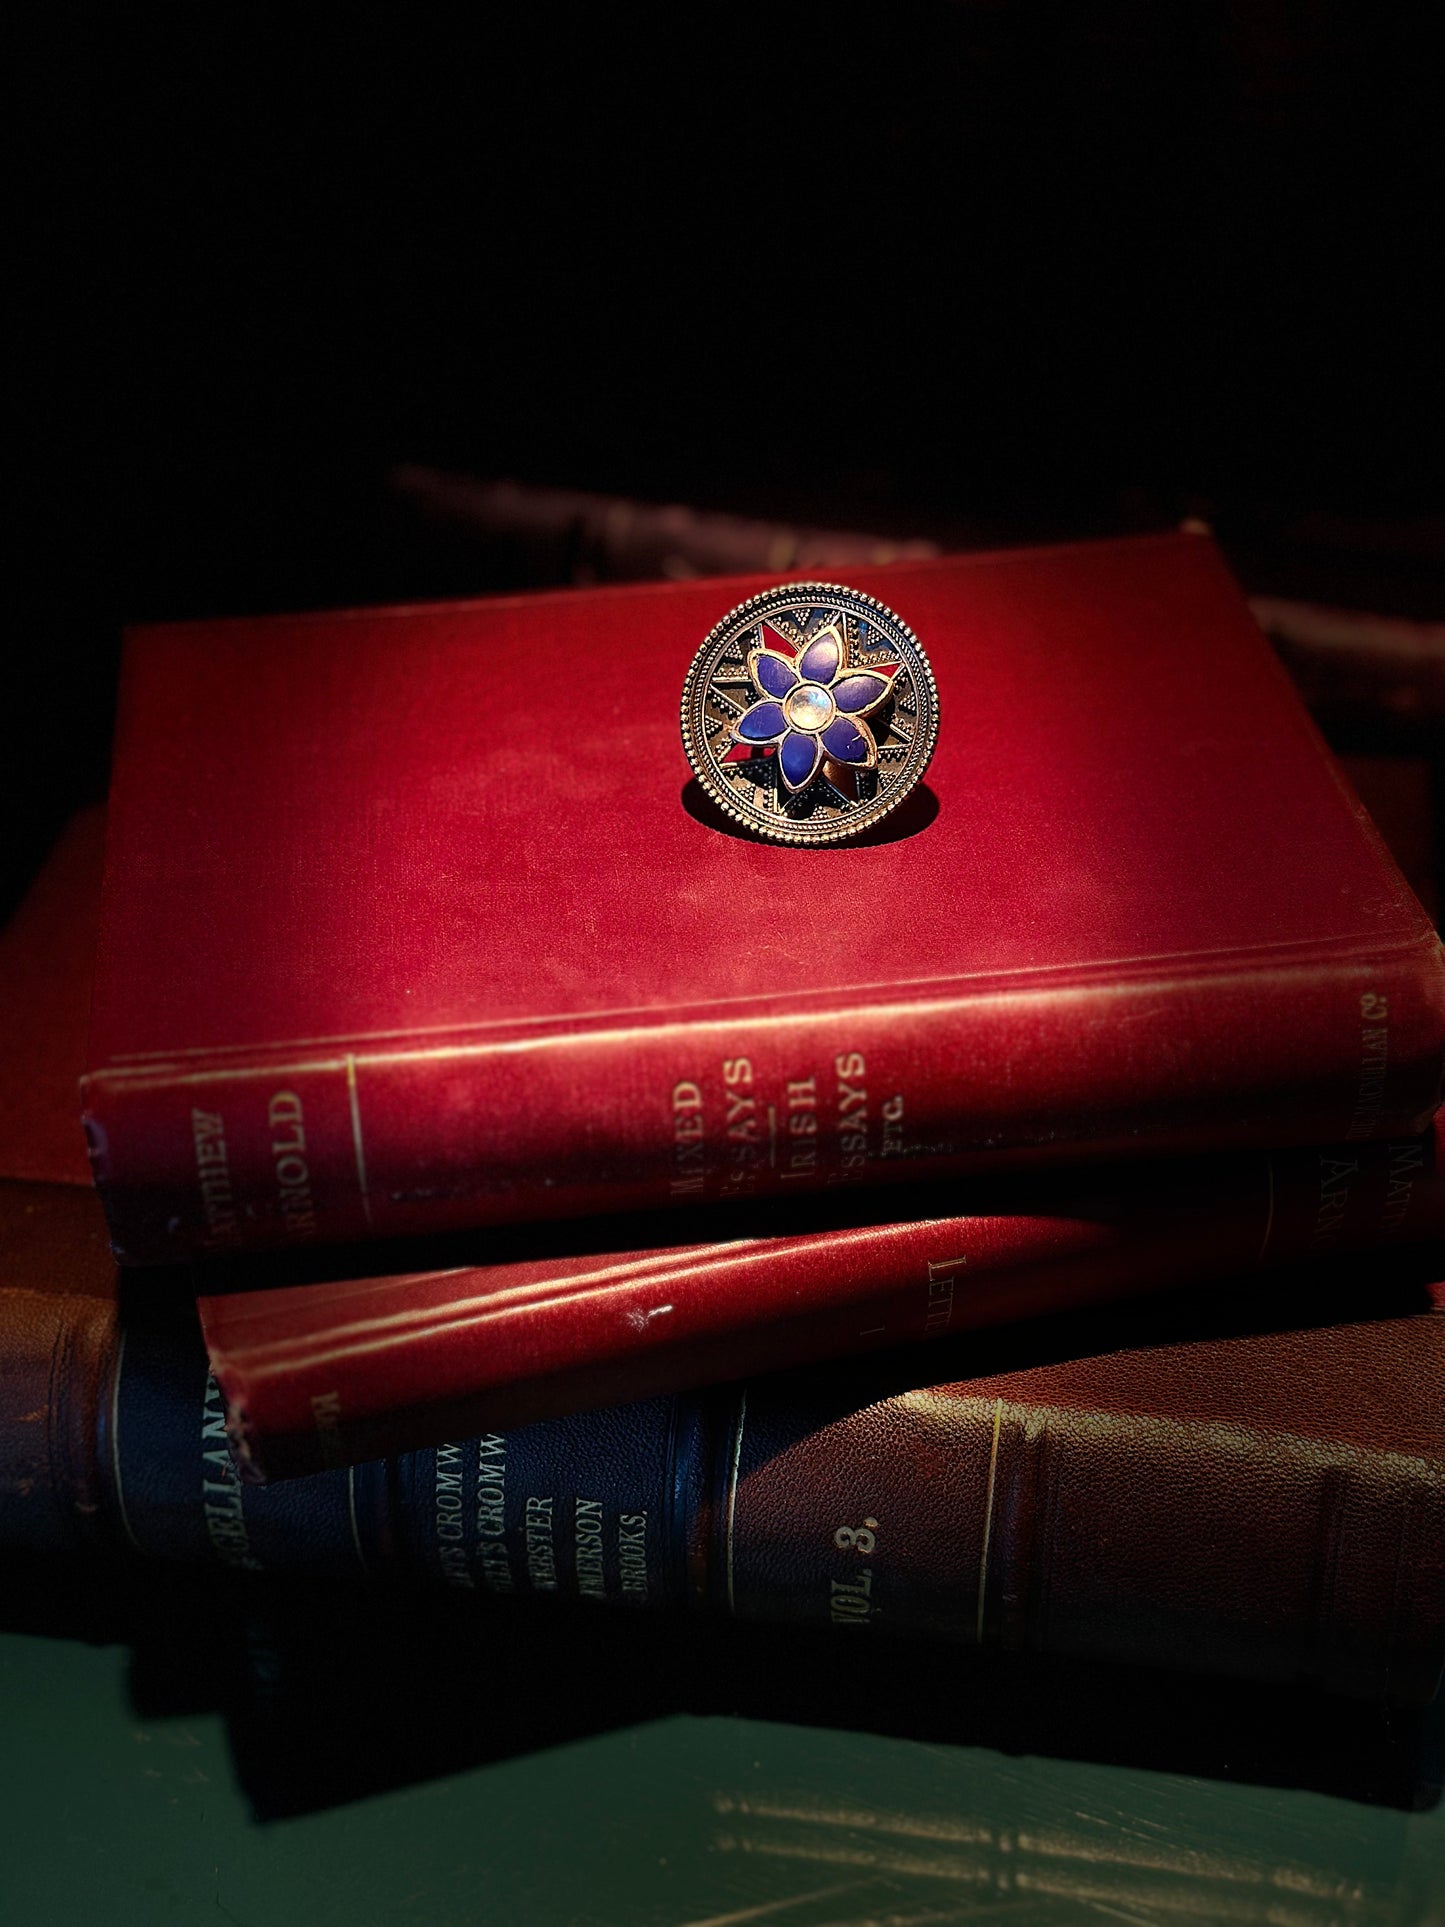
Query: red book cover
{"points": [[337, 1370], [408, 925]]}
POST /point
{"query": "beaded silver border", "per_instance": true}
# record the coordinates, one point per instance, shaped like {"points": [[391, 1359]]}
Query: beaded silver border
{"points": [[866, 816]]}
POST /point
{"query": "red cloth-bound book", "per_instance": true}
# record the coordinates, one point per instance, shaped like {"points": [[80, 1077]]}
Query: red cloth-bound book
{"points": [[339, 1369], [412, 921]]}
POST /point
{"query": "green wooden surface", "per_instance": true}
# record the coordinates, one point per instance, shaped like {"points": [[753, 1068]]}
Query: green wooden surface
{"points": [[667, 1777]]}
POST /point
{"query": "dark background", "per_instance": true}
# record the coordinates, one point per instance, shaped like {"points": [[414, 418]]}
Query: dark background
{"points": [[983, 272], [986, 272]]}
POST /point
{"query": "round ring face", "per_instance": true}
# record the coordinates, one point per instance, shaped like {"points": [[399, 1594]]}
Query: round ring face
{"points": [[809, 713]]}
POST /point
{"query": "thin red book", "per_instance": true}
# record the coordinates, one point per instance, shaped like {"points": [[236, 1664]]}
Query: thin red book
{"points": [[412, 921], [339, 1369]]}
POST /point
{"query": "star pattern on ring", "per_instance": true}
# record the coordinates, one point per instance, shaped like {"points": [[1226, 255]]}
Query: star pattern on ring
{"points": [[812, 706]]}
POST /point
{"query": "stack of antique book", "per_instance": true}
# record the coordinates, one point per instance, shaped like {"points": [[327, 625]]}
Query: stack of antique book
{"points": [[583, 1197]]}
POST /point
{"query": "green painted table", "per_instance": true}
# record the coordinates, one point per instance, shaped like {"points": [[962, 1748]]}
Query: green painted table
{"points": [[177, 1750]]}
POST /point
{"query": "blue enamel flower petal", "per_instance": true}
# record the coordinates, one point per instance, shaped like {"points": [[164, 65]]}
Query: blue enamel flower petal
{"points": [[772, 673], [858, 693], [798, 758], [764, 723], [819, 661], [847, 741]]}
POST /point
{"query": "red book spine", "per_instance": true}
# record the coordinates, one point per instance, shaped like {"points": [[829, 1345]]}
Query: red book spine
{"points": [[348, 1140], [335, 1371]]}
